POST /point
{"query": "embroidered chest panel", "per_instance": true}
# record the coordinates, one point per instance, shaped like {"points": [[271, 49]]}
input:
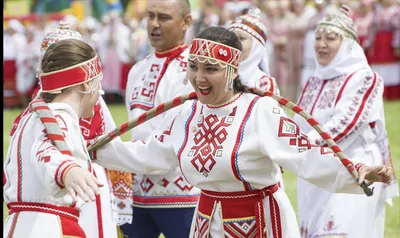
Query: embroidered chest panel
{"points": [[144, 90], [207, 140], [321, 94]]}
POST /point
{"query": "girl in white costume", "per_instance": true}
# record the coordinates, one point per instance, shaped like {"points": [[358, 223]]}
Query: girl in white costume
{"points": [[254, 65], [345, 96], [98, 218], [230, 143], [42, 181]]}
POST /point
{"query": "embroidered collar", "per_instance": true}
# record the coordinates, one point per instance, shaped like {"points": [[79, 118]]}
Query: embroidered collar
{"points": [[171, 52], [230, 101]]}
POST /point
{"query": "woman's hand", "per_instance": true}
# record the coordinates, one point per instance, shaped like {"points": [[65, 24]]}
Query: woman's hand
{"points": [[81, 182], [378, 173]]}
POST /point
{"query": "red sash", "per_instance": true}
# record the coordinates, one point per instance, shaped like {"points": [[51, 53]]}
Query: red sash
{"points": [[242, 213]]}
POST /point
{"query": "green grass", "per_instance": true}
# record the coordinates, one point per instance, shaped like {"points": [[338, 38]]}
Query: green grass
{"points": [[392, 111]]}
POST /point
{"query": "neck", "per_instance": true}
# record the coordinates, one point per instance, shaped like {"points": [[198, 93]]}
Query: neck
{"points": [[171, 51], [231, 97], [72, 99]]}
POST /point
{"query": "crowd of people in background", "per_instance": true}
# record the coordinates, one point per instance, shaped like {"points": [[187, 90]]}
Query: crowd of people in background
{"points": [[121, 41]]}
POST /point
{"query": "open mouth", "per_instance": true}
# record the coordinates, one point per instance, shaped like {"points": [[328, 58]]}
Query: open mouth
{"points": [[205, 90], [155, 35]]}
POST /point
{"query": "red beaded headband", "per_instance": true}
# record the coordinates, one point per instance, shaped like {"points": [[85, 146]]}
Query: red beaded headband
{"points": [[214, 52], [54, 82]]}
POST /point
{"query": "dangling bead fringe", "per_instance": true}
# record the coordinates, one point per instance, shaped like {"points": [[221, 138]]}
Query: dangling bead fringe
{"points": [[229, 75]]}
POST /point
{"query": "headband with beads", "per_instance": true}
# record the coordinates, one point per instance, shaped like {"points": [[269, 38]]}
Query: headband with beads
{"points": [[55, 81], [253, 25], [216, 53], [341, 24]]}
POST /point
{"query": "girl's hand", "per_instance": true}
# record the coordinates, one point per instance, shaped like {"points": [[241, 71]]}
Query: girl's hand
{"points": [[81, 182]]}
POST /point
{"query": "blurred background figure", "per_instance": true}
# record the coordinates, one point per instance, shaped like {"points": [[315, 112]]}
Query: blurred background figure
{"points": [[363, 20], [296, 33], [27, 63], [116, 29], [278, 33], [384, 46], [14, 41]]}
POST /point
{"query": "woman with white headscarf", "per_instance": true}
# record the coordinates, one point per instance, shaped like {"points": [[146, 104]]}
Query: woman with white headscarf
{"points": [[254, 65], [346, 97]]}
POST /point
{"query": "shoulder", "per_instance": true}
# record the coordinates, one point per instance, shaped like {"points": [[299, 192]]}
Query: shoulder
{"points": [[364, 77]]}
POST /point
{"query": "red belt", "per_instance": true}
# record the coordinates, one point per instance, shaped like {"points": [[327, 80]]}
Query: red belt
{"points": [[67, 212], [246, 203]]}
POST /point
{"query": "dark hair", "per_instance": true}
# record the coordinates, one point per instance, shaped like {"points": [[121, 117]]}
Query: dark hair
{"points": [[63, 54], [229, 38]]}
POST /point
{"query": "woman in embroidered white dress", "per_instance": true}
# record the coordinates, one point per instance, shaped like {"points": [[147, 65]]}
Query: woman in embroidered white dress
{"points": [[254, 65], [230, 144], [345, 96]]}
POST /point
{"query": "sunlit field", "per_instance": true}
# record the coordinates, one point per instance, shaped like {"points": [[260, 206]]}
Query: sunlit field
{"points": [[392, 110]]}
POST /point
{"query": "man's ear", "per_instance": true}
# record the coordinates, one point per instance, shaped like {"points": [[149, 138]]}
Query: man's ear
{"points": [[187, 22]]}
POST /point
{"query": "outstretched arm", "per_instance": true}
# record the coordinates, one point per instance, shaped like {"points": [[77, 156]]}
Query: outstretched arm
{"points": [[292, 150], [157, 155]]}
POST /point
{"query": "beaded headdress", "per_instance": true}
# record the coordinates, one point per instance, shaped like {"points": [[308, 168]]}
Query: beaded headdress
{"points": [[216, 53], [340, 23], [62, 32], [252, 24]]}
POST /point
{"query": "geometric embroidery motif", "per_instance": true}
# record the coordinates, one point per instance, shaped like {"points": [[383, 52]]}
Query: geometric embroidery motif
{"points": [[240, 229], [146, 185], [287, 128], [201, 227], [208, 141]]}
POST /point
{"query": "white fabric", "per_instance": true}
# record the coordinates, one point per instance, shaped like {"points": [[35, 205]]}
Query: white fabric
{"points": [[38, 177], [349, 58], [264, 145], [46, 225], [356, 122], [254, 71], [89, 218]]}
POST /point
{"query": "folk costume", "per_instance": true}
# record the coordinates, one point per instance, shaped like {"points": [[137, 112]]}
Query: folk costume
{"points": [[384, 39], [98, 219], [232, 152], [254, 70], [152, 81], [345, 96], [39, 157]]}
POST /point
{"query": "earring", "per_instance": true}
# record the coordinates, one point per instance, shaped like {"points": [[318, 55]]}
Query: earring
{"points": [[185, 80]]}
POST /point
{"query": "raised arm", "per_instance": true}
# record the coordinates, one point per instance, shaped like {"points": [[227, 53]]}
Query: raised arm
{"points": [[281, 140]]}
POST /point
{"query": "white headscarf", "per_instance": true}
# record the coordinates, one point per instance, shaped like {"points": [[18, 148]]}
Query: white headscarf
{"points": [[256, 62], [349, 58]]}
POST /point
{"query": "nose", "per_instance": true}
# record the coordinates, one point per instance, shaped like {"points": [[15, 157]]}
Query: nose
{"points": [[154, 22], [199, 78]]}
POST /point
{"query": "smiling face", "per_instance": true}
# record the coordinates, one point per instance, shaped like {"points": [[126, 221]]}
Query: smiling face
{"points": [[209, 81], [166, 24], [247, 42], [326, 46]]}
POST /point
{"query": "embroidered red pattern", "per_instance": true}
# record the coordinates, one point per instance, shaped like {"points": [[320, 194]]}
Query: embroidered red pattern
{"points": [[208, 141]]}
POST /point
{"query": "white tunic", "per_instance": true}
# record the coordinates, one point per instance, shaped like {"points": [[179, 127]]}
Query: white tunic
{"points": [[238, 146], [34, 167], [350, 109], [153, 81]]}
